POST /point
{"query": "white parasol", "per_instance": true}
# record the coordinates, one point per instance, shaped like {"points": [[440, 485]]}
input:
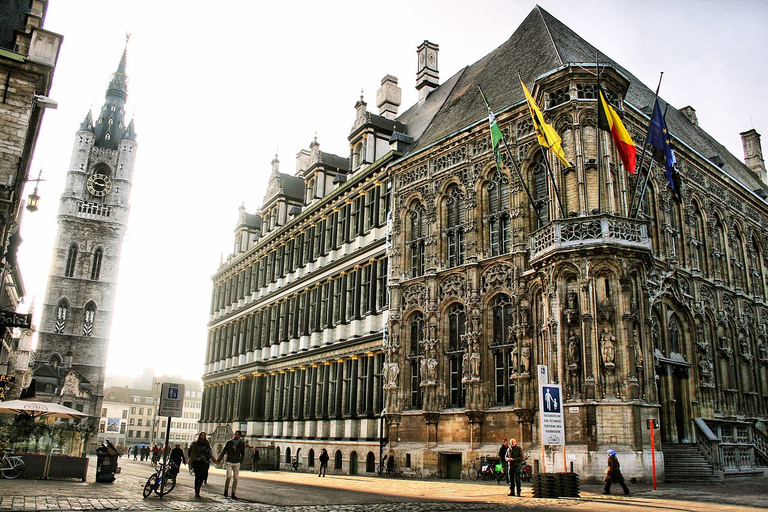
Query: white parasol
{"points": [[40, 409]]}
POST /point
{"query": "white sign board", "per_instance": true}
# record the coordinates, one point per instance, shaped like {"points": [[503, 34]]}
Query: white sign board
{"points": [[543, 374], [171, 400], [551, 415]]}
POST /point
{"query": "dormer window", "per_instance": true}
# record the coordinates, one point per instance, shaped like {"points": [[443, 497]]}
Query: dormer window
{"points": [[113, 108], [357, 155]]}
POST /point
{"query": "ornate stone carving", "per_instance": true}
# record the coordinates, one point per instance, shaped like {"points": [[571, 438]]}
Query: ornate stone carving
{"points": [[454, 285], [415, 295]]}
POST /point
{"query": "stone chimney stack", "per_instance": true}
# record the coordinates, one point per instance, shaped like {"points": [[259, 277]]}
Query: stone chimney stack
{"points": [[690, 113], [388, 97], [753, 153], [427, 76]]}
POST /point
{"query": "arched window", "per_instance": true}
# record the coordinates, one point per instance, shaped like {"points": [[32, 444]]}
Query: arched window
{"points": [[504, 342], [758, 274], [417, 334], [337, 460], [739, 270], [698, 241], [498, 215], [98, 255], [62, 313], [417, 240], [456, 326], [718, 253], [540, 190], [311, 458], [415, 354], [370, 463], [288, 455], [88, 319], [69, 268], [454, 232]]}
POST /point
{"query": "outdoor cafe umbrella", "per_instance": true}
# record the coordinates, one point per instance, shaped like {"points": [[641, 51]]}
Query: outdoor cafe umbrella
{"points": [[36, 409]]}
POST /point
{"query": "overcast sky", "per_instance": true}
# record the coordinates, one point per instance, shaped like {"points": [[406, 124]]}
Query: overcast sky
{"points": [[217, 91]]}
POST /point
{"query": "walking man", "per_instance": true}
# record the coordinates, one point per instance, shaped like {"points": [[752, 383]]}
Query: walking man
{"points": [[177, 457], [514, 458], [233, 454], [503, 459], [323, 463], [255, 459]]}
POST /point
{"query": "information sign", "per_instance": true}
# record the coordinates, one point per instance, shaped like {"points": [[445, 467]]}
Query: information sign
{"points": [[171, 400], [551, 415]]}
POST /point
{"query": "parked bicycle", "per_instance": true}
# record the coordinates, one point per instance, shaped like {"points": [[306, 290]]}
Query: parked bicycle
{"points": [[11, 466], [386, 466], [486, 468], [155, 481]]}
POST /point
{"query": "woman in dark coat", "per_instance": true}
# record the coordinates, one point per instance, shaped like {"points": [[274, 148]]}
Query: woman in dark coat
{"points": [[200, 456], [613, 474]]}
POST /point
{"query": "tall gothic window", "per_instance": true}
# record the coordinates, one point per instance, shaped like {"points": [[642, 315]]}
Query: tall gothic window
{"points": [[739, 274], [503, 344], [699, 241], [758, 275], [456, 327], [98, 255], [540, 189], [498, 215], [69, 268], [62, 313], [415, 354], [417, 239], [454, 232], [89, 318], [720, 258]]}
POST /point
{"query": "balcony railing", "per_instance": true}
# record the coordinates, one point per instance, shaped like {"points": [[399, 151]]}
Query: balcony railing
{"points": [[597, 231]]}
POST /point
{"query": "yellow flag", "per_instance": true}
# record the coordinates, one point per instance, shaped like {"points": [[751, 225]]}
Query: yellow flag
{"points": [[548, 137]]}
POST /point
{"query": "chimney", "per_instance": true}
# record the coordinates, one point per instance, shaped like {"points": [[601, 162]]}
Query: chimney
{"points": [[388, 97], [690, 113], [427, 76], [753, 153]]}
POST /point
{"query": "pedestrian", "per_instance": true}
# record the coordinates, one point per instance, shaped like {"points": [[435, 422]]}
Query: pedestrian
{"points": [[613, 474], [514, 458], [323, 463], [155, 454], [201, 455], [255, 458], [503, 458], [178, 457], [135, 451], [232, 454]]}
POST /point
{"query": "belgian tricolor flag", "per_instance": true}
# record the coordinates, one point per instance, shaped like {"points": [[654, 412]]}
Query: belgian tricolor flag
{"points": [[609, 120]]}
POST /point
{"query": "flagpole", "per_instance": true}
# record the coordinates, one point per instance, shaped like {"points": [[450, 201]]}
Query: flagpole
{"points": [[642, 157], [540, 130], [514, 165]]}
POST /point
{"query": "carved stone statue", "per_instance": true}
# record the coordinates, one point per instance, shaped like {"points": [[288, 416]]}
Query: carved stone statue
{"points": [[391, 371], [513, 360], [574, 349], [525, 358], [474, 364], [607, 346], [705, 370], [432, 369], [465, 371]]}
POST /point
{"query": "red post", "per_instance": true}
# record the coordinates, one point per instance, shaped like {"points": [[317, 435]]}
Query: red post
{"points": [[653, 455]]}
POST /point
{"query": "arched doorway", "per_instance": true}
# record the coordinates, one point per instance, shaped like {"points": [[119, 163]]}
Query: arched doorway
{"points": [[353, 463]]}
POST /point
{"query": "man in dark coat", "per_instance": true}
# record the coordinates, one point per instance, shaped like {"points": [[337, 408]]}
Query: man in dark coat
{"points": [[514, 458], [503, 457], [613, 474]]}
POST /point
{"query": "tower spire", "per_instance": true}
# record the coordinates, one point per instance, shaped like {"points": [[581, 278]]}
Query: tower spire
{"points": [[110, 127]]}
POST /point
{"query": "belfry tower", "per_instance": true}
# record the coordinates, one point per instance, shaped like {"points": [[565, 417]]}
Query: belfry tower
{"points": [[92, 219]]}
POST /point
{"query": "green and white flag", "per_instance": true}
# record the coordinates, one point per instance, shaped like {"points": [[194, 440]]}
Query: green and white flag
{"points": [[496, 137]]}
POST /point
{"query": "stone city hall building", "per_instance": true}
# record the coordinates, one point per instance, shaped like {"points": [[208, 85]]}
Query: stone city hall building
{"points": [[404, 296]]}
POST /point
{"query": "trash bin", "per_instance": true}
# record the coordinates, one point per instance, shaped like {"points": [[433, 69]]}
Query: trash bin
{"points": [[106, 463]]}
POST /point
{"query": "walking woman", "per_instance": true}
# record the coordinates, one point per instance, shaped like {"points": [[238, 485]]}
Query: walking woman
{"points": [[201, 455], [613, 474]]}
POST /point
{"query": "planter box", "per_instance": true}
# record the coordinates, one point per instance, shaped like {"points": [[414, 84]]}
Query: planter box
{"points": [[34, 465], [62, 466]]}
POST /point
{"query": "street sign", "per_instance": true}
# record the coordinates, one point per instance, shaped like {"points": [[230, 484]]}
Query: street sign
{"points": [[551, 415], [541, 372], [652, 423], [171, 400]]}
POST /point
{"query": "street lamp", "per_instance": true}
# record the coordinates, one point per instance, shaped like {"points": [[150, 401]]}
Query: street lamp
{"points": [[34, 199]]}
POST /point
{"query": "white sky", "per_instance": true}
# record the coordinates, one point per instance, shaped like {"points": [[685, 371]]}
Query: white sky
{"points": [[216, 90]]}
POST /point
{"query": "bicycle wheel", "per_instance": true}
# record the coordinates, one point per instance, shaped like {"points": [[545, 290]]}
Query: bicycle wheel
{"points": [[473, 473], [170, 483], [150, 485], [382, 470], [12, 467]]}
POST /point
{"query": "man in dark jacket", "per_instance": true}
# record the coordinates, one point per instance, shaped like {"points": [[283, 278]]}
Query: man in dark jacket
{"points": [[613, 474], [503, 459], [514, 458], [233, 454], [177, 457]]}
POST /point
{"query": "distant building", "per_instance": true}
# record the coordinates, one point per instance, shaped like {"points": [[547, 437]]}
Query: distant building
{"points": [[28, 55], [409, 298]]}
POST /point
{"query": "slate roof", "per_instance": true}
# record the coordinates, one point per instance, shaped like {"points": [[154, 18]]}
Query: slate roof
{"points": [[293, 186], [540, 45]]}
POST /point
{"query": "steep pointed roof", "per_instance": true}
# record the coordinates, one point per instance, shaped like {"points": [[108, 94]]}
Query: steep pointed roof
{"points": [[110, 127], [540, 45]]}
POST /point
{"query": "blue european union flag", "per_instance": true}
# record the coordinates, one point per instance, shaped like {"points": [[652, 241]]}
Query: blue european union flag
{"points": [[658, 137]]}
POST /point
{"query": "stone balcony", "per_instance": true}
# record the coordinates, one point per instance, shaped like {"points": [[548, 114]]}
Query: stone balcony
{"points": [[595, 232]]}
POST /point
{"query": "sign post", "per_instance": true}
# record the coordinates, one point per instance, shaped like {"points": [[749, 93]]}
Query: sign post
{"points": [[653, 424], [551, 418], [171, 404]]}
